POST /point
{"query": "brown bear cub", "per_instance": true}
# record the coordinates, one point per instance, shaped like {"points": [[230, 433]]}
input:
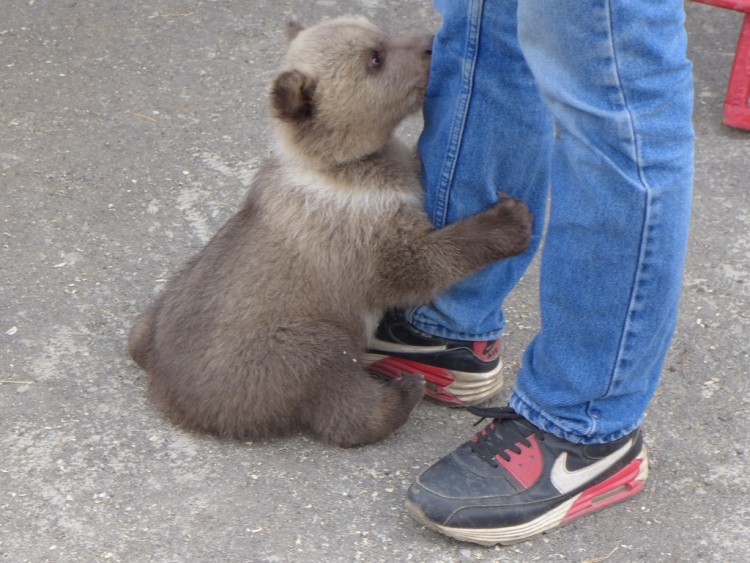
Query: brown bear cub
{"points": [[258, 336]]}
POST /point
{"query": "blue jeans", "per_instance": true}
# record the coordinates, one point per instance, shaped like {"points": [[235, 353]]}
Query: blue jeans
{"points": [[586, 105]]}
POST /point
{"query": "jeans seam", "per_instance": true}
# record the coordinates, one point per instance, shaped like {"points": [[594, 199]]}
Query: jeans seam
{"points": [[440, 214], [636, 154], [637, 284], [645, 226]]}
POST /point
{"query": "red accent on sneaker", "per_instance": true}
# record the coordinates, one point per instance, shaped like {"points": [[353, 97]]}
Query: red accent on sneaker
{"points": [[436, 379], [487, 351], [526, 467], [617, 488]]}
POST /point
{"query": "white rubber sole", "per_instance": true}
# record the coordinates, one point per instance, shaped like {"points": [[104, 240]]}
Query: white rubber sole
{"points": [[447, 387]]}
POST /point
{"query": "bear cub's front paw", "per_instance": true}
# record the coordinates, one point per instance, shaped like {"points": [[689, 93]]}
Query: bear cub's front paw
{"points": [[514, 221]]}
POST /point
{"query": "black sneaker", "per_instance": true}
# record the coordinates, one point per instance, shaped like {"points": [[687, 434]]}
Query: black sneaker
{"points": [[512, 481], [457, 373]]}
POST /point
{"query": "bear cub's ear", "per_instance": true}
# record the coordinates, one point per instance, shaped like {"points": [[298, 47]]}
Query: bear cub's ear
{"points": [[292, 96], [292, 29]]}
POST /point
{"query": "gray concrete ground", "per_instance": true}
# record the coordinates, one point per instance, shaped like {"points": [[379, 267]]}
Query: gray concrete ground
{"points": [[128, 133]]}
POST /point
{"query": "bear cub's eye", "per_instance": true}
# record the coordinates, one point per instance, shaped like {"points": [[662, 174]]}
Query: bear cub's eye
{"points": [[376, 59]]}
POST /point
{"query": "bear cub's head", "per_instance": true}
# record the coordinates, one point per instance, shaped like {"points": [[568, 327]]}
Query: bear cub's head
{"points": [[344, 87]]}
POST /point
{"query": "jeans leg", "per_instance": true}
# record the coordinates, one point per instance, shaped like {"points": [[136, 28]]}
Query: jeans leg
{"points": [[486, 131], [617, 81]]}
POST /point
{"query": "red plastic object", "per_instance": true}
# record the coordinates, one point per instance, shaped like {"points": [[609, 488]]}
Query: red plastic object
{"points": [[737, 101]]}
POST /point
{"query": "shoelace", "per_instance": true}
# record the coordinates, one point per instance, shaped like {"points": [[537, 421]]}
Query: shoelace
{"points": [[489, 442]]}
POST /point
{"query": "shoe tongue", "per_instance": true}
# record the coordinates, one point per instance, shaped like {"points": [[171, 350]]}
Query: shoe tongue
{"points": [[514, 430], [525, 427]]}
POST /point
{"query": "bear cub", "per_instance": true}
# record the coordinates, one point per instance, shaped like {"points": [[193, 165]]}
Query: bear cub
{"points": [[259, 335]]}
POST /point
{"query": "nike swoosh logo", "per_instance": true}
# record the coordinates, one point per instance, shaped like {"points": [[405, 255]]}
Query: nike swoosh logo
{"points": [[566, 481]]}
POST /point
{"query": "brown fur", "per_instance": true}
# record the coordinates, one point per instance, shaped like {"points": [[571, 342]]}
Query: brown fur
{"points": [[259, 335]]}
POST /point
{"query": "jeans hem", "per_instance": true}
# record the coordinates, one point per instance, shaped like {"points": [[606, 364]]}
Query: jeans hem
{"points": [[557, 427], [429, 326]]}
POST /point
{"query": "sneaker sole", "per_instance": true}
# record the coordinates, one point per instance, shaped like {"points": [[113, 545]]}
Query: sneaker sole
{"points": [[446, 387], [621, 486]]}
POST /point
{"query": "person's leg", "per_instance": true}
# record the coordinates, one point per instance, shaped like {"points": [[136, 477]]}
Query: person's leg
{"points": [[617, 81], [486, 131], [616, 78]]}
